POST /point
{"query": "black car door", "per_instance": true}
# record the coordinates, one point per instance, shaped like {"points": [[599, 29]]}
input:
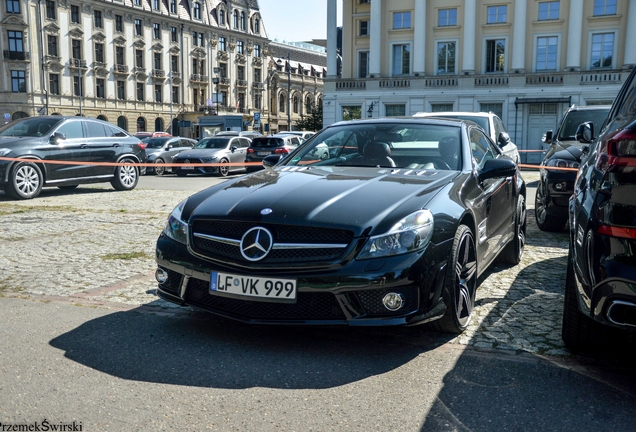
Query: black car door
{"points": [[496, 202], [104, 147], [68, 144]]}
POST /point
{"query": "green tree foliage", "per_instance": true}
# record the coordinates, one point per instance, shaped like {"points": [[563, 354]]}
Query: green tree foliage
{"points": [[312, 121]]}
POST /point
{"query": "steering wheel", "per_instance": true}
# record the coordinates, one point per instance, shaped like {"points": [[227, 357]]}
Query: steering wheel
{"points": [[440, 163]]}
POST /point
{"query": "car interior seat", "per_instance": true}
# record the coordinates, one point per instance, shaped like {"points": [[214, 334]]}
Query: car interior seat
{"points": [[448, 148], [377, 153]]}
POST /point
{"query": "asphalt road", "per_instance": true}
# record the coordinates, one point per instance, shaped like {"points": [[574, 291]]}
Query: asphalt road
{"points": [[105, 368]]}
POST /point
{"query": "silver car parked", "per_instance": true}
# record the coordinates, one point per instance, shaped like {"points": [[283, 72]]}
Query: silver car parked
{"points": [[161, 150], [228, 151]]}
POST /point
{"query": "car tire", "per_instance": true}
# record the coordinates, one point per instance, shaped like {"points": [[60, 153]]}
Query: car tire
{"points": [[513, 252], [126, 176], [545, 222], [67, 188], [160, 169], [460, 284], [25, 181], [224, 169]]}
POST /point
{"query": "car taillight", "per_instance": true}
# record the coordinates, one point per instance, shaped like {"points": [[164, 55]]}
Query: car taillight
{"points": [[142, 145], [615, 231], [284, 150], [250, 150], [620, 151]]}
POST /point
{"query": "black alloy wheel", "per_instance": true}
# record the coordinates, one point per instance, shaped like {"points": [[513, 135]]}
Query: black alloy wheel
{"points": [[25, 181], [460, 285], [545, 222], [514, 250]]}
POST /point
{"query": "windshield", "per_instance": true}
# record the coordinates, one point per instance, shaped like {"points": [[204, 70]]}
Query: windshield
{"points": [[575, 118], [400, 145], [31, 127], [212, 143], [268, 142], [154, 143]]}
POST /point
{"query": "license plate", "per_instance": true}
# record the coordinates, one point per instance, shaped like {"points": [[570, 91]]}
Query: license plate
{"points": [[263, 153], [253, 286], [187, 167]]}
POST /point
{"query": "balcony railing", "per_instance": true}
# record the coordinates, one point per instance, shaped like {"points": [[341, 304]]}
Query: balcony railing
{"points": [[16, 55], [544, 79], [257, 85], [121, 69], [350, 84], [491, 81], [601, 77], [175, 75], [224, 81], [395, 83], [241, 83], [199, 78], [442, 82], [158, 73]]}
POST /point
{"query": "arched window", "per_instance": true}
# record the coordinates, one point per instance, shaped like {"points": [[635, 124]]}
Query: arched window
{"points": [[242, 20], [236, 19], [308, 104], [122, 123], [281, 103], [56, 114], [197, 10], [296, 104], [222, 17], [141, 124], [102, 117], [159, 124], [19, 115], [257, 26]]}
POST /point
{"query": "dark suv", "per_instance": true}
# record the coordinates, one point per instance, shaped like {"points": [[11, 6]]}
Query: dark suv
{"points": [[78, 140], [600, 291], [556, 185]]}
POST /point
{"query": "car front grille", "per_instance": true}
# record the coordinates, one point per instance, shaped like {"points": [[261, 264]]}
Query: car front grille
{"points": [[308, 306]]}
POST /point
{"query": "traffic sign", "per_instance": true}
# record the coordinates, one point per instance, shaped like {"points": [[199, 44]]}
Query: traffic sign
{"points": [[7, 116], [257, 117]]}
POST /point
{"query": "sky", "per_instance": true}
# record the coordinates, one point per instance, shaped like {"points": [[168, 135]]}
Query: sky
{"points": [[296, 20]]}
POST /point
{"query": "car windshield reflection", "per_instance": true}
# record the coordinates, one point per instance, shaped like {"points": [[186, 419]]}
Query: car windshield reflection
{"points": [[32, 127], [212, 143]]}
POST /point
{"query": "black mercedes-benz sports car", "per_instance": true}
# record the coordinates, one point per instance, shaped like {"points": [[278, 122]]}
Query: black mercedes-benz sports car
{"points": [[393, 228]]}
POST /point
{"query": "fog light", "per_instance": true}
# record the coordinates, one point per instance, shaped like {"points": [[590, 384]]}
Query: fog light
{"points": [[393, 301], [560, 186], [161, 275]]}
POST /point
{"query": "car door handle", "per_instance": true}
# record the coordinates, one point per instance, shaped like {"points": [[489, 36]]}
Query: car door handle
{"points": [[83, 146], [116, 145]]}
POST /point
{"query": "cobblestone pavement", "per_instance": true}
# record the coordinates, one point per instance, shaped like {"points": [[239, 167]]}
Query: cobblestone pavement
{"points": [[95, 247]]}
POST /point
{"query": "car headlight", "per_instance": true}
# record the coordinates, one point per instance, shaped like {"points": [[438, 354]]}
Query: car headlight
{"points": [[412, 233], [209, 159], [4, 152], [562, 163], [176, 228]]}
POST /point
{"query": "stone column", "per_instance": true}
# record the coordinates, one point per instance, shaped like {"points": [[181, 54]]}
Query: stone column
{"points": [[575, 28], [332, 38], [419, 42], [519, 37], [630, 36], [375, 50], [468, 40]]}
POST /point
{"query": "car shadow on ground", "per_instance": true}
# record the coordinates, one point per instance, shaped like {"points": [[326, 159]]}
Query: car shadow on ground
{"points": [[54, 192]]}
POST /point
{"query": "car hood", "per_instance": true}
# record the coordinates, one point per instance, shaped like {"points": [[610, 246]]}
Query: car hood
{"points": [[567, 150], [198, 153], [366, 201], [15, 142]]}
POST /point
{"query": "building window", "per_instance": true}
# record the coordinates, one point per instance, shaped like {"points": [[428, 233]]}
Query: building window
{"points": [[156, 30], [119, 23], [141, 124], [175, 94], [137, 2], [99, 52], [495, 55], [352, 112], [221, 44], [282, 100], [173, 34], [75, 14], [173, 6], [201, 40], [364, 28], [604, 7], [309, 104], [76, 46], [119, 55], [549, 10], [447, 17], [401, 20], [222, 17], [257, 75], [446, 57], [54, 84], [395, 110], [240, 47], [223, 100], [140, 91], [257, 101], [122, 123], [495, 108], [223, 70], [257, 26], [50, 10], [138, 27], [78, 86], [497, 14], [401, 59], [13, 6], [243, 21], [440, 107], [257, 50], [296, 104], [547, 53], [97, 19], [156, 4], [195, 98], [158, 93], [157, 61], [52, 45], [236, 19], [197, 10], [99, 88], [602, 50], [15, 41], [121, 90], [240, 72], [139, 58], [363, 64], [174, 63]]}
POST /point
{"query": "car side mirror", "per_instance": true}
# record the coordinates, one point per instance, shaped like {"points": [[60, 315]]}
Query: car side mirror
{"points": [[56, 137], [503, 139], [271, 160], [547, 137], [233, 148], [585, 132], [497, 168]]}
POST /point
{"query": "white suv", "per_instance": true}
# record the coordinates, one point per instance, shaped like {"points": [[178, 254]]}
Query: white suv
{"points": [[489, 122]]}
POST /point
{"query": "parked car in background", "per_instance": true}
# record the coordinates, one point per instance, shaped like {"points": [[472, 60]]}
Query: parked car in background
{"points": [[555, 186], [75, 139], [247, 134], [304, 135], [142, 135], [161, 150], [600, 290], [385, 233], [490, 122], [260, 147], [224, 150]]}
